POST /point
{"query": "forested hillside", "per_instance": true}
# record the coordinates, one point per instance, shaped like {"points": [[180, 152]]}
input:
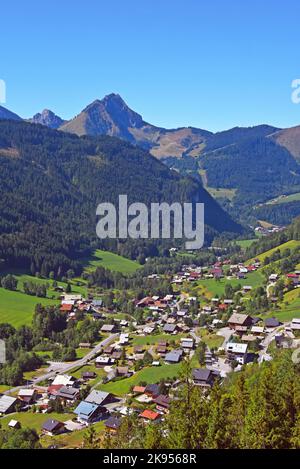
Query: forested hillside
{"points": [[51, 183]]}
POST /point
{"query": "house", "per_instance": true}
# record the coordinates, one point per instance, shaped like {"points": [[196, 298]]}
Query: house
{"points": [[174, 356], [236, 351], [123, 371], [257, 330], [204, 377], [161, 349], [273, 277], [271, 322], [86, 375], [162, 403], [187, 344], [64, 380], [113, 424], [108, 328], [88, 413], [139, 389], [117, 355], [238, 319], [295, 324], [53, 427], [100, 398], [108, 350], [14, 424], [8, 404], [27, 395], [102, 361], [85, 345], [150, 415], [170, 328], [68, 393], [148, 330], [145, 302], [124, 338], [152, 390], [139, 349]]}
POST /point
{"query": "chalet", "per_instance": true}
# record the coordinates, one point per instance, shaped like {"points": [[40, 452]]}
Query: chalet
{"points": [[85, 345], [187, 344], [27, 395], [108, 328], [257, 330], [123, 371], [150, 415], [64, 380], [53, 427], [148, 330], [68, 394], [86, 375], [271, 323], [108, 350], [162, 403], [66, 308], [240, 330], [139, 389], [124, 339], [15, 424], [116, 355], [8, 404], [112, 424], [161, 349], [170, 328], [247, 288], [273, 277], [238, 319], [102, 361], [174, 356], [139, 349], [88, 413], [152, 390], [204, 377], [100, 398], [236, 351], [145, 302], [295, 324]]}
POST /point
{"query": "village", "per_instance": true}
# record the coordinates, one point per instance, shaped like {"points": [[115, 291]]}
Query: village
{"points": [[136, 367]]}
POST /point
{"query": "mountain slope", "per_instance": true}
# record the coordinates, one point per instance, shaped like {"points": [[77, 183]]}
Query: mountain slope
{"points": [[111, 116], [6, 114], [47, 118], [289, 139], [52, 182]]}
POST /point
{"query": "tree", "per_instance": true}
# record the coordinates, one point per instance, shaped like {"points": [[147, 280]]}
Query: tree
{"points": [[9, 282]]}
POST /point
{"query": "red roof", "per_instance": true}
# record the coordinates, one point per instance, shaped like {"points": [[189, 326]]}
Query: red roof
{"points": [[66, 307], [139, 389], [292, 275], [54, 388], [149, 414], [223, 306]]}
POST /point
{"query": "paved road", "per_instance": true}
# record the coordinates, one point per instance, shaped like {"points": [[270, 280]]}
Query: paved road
{"points": [[69, 366]]}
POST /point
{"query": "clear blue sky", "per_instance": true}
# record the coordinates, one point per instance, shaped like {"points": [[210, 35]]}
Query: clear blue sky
{"points": [[212, 64]]}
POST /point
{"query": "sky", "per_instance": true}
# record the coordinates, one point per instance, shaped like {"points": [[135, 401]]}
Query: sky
{"points": [[212, 64]]}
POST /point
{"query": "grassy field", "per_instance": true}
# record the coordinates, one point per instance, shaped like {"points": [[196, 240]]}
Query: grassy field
{"points": [[110, 261], [289, 245], [211, 287], [77, 372], [154, 339], [211, 340], [34, 420], [17, 308], [152, 374], [245, 243], [284, 199], [290, 307], [70, 440]]}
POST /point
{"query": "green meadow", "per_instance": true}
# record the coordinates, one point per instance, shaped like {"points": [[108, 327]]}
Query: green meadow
{"points": [[110, 261]]}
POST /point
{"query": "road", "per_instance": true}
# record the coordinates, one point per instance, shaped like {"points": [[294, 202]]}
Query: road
{"points": [[69, 366]]}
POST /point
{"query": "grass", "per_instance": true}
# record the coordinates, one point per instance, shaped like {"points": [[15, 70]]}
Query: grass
{"points": [[211, 287], [288, 245], [245, 243], [82, 352], [290, 306], [70, 440], [284, 199], [34, 420], [17, 309], [111, 261], [154, 339], [152, 374], [77, 372]]}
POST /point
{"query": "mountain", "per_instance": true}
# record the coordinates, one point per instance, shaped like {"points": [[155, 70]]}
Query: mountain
{"points": [[51, 183], [289, 139], [111, 116], [6, 114], [47, 118]]}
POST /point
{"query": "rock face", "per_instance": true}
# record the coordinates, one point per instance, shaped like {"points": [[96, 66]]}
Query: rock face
{"points": [[8, 115], [47, 118]]}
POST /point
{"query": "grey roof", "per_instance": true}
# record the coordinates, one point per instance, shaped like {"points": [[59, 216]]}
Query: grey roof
{"points": [[170, 327], [51, 424], [174, 356], [201, 374], [96, 397], [67, 392], [107, 327], [272, 322], [113, 422], [6, 402]]}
